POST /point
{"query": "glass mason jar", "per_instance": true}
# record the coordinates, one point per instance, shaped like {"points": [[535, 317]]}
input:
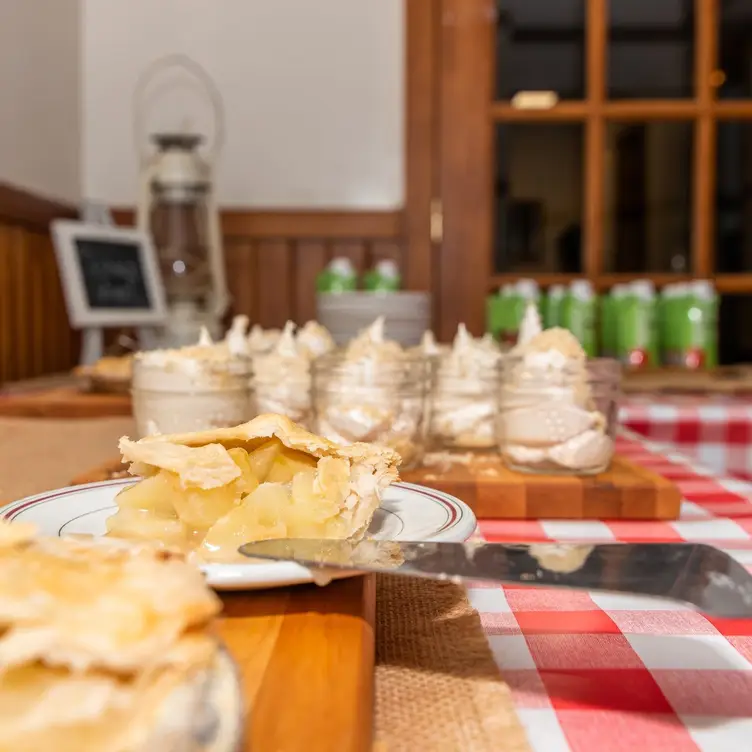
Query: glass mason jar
{"points": [[380, 401], [285, 394], [180, 393], [464, 405], [558, 419]]}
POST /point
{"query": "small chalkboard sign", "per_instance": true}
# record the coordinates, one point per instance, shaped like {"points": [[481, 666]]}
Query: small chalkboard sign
{"points": [[110, 275]]}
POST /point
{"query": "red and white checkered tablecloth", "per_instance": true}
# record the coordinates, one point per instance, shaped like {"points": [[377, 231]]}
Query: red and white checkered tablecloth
{"points": [[613, 673], [716, 430]]}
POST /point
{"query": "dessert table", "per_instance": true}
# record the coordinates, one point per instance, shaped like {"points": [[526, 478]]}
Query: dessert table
{"points": [[584, 672], [714, 429]]}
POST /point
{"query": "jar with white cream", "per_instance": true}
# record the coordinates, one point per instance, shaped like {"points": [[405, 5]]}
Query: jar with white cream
{"points": [[190, 389], [465, 394], [373, 391], [282, 379], [558, 410]]}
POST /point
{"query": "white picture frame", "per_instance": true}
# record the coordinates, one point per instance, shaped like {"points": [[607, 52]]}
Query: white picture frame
{"points": [[68, 238]]}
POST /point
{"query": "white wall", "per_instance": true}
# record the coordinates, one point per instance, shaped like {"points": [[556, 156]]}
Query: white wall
{"points": [[313, 91], [40, 96]]}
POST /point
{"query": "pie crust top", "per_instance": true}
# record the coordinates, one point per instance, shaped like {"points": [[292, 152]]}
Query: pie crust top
{"points": [[100, 643], [211, 491]]}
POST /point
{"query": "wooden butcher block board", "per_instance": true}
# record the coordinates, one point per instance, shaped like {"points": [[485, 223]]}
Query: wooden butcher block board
{"points": [[62, 401], [626, 491], [306, 656]]}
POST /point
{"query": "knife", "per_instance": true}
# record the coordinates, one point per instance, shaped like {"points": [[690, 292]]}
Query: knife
{"points": [[693, 573]]}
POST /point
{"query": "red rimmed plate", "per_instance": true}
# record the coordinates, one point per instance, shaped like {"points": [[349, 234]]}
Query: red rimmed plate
{"points": [[408, 512]]}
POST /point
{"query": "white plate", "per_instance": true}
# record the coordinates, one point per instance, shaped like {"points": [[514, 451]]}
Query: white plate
{"points": [[408, 512]]}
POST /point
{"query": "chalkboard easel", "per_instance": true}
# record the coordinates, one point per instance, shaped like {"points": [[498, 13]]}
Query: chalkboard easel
{"points": [[110, 278]]}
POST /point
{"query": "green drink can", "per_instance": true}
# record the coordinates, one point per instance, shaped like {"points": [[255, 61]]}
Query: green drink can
{"points": [[338, 276], [551, 305], [384, 277], [578, 310]]}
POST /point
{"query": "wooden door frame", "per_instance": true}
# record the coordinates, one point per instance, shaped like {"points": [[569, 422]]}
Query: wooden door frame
{"points": [[448, 146]]}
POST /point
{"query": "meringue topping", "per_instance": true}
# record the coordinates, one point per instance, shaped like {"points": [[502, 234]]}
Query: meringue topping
{"points": [[262, 340], [465, 395], [373, 391], [282, 379], [236, 339], [315, 339], [549, 417]]}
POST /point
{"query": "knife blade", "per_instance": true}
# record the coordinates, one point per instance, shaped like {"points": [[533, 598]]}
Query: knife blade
{"points": [[693, 573]]}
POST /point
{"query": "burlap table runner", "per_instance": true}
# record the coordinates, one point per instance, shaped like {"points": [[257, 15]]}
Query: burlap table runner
{"points": [[437, 686]]}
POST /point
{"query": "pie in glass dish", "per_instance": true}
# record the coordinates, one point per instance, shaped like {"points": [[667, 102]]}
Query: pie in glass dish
{"points": [[106, 646], [209, 492]]}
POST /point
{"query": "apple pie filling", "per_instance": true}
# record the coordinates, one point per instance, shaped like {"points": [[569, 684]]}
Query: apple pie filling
{"points": [[212, 495]]}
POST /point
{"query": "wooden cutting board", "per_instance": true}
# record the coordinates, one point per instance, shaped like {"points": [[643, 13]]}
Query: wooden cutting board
{"points": [[626, 491], [63, 401], [306, 655]]}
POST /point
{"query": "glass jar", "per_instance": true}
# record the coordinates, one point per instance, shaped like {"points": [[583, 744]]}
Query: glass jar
{"points": [[179, 394], [285, 394], [558, 417], [464, 405], [380, 401]]}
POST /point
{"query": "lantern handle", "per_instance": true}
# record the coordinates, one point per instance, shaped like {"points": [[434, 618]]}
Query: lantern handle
{"points": [[210, 90]]}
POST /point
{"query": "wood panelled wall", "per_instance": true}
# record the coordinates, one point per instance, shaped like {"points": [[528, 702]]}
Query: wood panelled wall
{"points": [[272, 262], [272, 275], [35, 338], [273, 257]]}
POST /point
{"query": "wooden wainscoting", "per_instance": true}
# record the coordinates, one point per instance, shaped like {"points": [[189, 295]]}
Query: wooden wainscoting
{"points": [[272, 262], [35, 338], [273, 257]]}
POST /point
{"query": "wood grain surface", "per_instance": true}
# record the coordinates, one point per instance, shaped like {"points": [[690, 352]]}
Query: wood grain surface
{"points": [[625, 491], [63, 401], [306, 655]]}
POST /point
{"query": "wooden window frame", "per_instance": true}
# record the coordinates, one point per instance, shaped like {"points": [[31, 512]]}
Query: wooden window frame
{"points": [[467, 114]]}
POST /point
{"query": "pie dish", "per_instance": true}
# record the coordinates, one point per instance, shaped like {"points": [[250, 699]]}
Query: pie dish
{"points": [[108, 374], [209, 492], [105, 646]]}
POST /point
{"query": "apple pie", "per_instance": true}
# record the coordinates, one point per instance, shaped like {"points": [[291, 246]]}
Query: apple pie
{"points": [[103, 646], [211, 491]]}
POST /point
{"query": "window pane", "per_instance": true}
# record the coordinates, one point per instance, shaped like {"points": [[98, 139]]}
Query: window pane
{"points": [[735, 48], [651, 47], [540, 47], [734, 197], [734, 331], [538, 198], [648, 197]]}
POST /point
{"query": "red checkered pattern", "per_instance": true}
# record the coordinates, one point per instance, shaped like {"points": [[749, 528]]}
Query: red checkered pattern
{"points": [[717, 430], [593, 672]]}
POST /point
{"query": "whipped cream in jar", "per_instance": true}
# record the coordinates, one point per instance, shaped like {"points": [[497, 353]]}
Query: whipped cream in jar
{"points": [[558, 409], [190, 389], [373, 391], [465, 394], [282, 379]]}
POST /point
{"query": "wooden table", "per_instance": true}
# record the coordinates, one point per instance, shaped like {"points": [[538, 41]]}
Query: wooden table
{"points": [[60, 397], [307, 657]]}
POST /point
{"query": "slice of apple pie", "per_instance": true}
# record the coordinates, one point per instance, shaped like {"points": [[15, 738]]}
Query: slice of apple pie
{"points": [[212, 491], [104, 646]]}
